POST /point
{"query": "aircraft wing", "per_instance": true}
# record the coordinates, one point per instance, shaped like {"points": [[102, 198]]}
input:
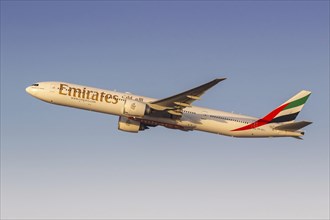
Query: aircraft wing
{"points": [[174, 104]]}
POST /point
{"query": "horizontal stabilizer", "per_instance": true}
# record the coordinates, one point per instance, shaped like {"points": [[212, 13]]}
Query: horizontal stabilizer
{"points": [[294, 126]]}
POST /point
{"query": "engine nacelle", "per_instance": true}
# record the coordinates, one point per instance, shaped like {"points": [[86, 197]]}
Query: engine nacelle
{"points": [[135, 108], [128, 125]]}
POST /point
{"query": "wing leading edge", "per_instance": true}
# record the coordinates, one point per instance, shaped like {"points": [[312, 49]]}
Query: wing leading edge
{"points": [[174, 104]]}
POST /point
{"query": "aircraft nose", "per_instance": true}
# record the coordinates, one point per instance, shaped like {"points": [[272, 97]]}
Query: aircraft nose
{"points": [[29, 90]]}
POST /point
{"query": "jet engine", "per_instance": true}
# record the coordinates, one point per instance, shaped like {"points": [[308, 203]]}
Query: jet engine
{"points": [[135, 108], [128, 125]]}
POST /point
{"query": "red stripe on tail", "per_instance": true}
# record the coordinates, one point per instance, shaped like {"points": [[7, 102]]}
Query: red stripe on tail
{"points": [[268, 118]]}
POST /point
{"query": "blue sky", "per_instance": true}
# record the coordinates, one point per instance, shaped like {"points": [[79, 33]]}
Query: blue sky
{"points": [[59, 162]]}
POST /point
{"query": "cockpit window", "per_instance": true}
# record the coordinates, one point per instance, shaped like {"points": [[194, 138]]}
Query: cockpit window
{"points": [[36, 84]]}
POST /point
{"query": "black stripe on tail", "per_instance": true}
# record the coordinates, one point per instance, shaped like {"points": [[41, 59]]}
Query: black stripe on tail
{"points": [[285, 118]]}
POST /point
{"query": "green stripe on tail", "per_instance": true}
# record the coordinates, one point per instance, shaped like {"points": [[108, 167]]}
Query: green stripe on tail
{"points": [[297, 102]]}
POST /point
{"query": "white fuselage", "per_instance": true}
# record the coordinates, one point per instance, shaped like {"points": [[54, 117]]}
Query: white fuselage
{"points": [[112, 102]]}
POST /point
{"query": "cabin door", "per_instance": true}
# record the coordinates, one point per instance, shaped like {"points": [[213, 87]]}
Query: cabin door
{"points": [[52, 88], [204, 115]]}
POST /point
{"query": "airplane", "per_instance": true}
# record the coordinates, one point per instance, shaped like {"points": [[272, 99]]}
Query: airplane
{"points": [[137, 113]]}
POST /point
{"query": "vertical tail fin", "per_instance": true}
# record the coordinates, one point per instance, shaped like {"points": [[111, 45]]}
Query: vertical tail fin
{"points": [[286, 112], [291, 108]]}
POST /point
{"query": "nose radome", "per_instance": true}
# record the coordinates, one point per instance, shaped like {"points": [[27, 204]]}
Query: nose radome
{"points": [[29, 90]]}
